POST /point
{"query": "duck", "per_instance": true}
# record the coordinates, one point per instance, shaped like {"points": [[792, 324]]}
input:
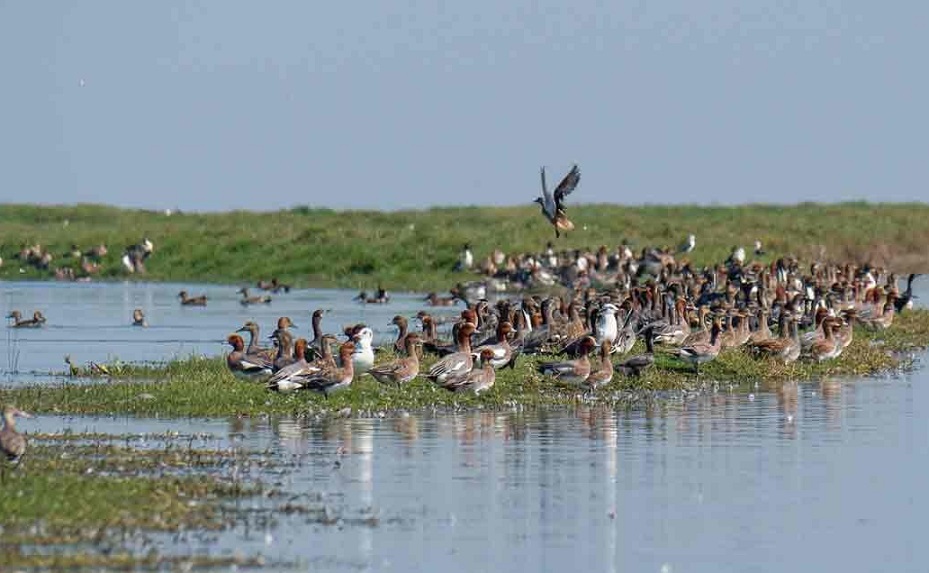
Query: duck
{"points": [[12, 443], [247, 300], [316, 323], [786, 347], [273, 285], [701, 353], [402, 325], [502, 354], [625, 338], [572, 371], [293, 376], [285, 349], [138, 318], [329, 380], [380, 297], [552, 204], [845, 332], [827, 347], [433, 299], [243, 365], [763, 332], [456, 363], [37, 320], [477, 380], [904, 300], [883, 320], [187, 300], [635, 365], [401, 370], [602, 373], [253, 330], [675, 332]]}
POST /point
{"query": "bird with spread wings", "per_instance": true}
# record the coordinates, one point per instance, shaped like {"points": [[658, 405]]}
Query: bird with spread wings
{"points": [[553, 203]]}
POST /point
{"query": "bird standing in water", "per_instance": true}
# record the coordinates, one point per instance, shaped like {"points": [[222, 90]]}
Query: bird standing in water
{"points": [[553, 203]]}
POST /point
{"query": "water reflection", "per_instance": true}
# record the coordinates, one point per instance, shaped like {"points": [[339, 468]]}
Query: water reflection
{"points": [[718, 482]]}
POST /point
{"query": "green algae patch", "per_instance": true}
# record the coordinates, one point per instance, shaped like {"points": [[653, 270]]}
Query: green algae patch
{"points": [[202, 387], [88, 502]]}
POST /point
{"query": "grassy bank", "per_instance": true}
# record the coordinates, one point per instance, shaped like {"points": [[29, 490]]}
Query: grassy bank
{"points": [[417, 249], [203, 387]]}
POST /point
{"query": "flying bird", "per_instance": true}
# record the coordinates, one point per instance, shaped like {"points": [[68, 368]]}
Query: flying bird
{"points": [[553, 203]]}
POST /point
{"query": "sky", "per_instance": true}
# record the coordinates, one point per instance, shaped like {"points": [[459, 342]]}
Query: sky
{"points": [[226, 104]]}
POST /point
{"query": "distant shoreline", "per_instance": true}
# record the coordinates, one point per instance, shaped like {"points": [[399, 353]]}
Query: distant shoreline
{"points": [[416, 250]]}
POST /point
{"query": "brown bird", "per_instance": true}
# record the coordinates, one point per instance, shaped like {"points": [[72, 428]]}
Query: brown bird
{"points": [[477, 380], [138, 318], [456, 363], [37, 320], [187, 300], [401, 370], [12, 443], [601, 374], [257, 299], [572, 371]]}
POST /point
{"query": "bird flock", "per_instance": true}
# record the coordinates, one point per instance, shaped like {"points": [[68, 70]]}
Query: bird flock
{"points": [[777, 311], [780, 310], [582, 333]]}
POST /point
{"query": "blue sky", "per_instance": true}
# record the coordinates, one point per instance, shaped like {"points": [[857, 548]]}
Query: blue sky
{"points": [[230, 104]]}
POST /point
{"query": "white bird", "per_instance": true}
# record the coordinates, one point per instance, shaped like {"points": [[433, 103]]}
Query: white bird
{"points": [[688, 245], [737, 256], [607, 326], [363, 354]]}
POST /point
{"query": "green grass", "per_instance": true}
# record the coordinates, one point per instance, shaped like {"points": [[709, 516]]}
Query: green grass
{"points": [[78, 500], [204, 388], [417, 249]]}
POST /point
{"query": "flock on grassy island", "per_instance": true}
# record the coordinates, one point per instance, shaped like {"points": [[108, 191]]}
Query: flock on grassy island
{"points": [[778, 311]]}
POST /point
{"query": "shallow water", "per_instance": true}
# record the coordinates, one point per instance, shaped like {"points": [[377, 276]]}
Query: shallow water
{"points": [[825, 475], [92, 321]]}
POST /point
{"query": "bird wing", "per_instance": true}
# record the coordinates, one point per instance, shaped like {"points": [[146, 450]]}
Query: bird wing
{"points": [[567, 185], [548, 202]]}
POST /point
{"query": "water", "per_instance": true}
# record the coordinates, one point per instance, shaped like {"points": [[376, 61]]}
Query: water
{"points": [[92, 321], [826, 475]]}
